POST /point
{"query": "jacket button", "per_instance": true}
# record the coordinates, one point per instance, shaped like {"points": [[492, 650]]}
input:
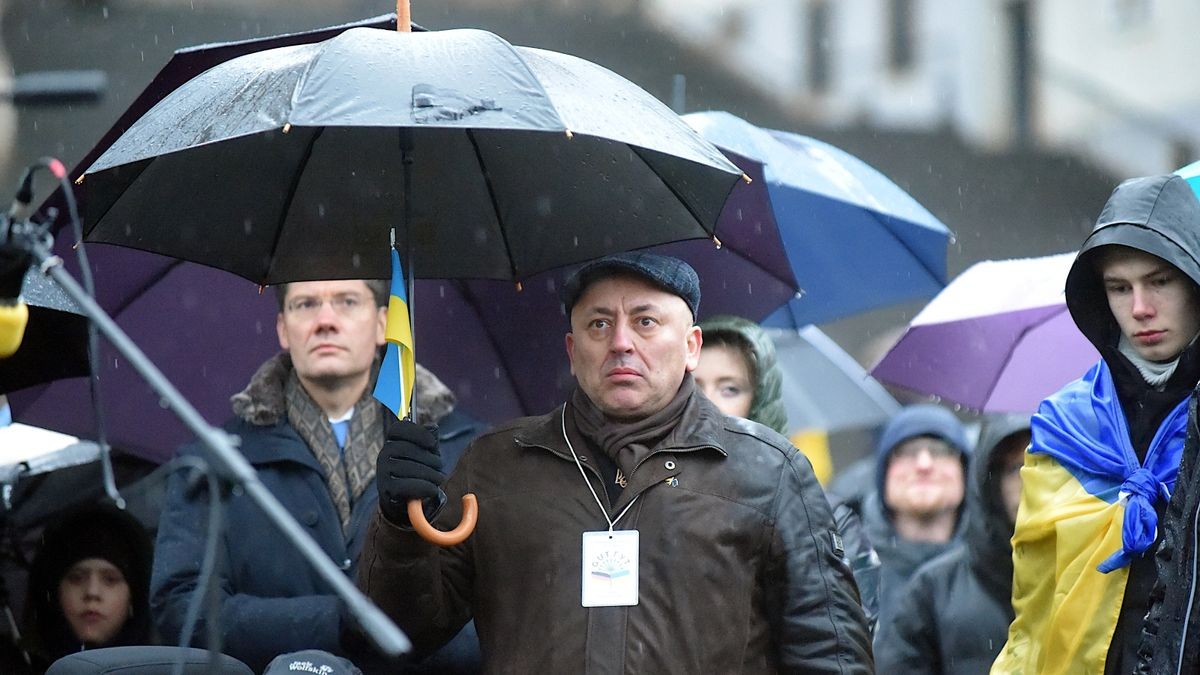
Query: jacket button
{"points": [[310, 518], [670, 465]]}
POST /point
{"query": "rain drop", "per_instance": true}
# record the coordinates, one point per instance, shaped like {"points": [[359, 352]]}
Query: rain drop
{"points": [[356, 260]]}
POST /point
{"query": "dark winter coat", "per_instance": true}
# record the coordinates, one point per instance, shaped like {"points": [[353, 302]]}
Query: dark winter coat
{"points": [[952, 617], [272, 600], [737, 561]]}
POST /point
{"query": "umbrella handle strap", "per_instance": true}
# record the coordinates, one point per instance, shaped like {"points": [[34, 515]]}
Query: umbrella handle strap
{"points": [[416, 516]]}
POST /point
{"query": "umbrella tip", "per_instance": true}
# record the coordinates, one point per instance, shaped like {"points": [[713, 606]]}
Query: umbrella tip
{"points": [[716, 241], [570, 135], [520, 287], [747, 179], [79, 181], [287, 126]]}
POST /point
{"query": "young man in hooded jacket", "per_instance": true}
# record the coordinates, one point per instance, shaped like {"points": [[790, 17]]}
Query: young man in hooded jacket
{"points": [[1106, 448]]}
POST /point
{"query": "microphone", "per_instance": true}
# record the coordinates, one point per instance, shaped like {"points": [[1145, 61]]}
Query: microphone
{"points": [[15, 260], [19, 209], [14, 314]]}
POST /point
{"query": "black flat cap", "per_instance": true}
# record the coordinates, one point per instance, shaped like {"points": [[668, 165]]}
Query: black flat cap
{"points": [[670, 274]]}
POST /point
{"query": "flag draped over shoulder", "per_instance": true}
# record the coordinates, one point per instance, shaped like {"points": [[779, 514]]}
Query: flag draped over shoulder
{"points": [[394, 387], [1087, 509]]}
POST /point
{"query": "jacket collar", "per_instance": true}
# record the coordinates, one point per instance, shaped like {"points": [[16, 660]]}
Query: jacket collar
{"points": [[699, 427], [262, 402]]}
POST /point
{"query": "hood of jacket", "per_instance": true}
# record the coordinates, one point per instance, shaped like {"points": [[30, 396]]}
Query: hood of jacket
{"points": [[262, 403], [766, 408], [1158, 215], [922, 419], [989, 529]]}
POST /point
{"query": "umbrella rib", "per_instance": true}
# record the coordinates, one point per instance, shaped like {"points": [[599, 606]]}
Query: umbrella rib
{"points": [[1009, 356], [287, 201], [172, 263], [882, 220], [487, 180], [473, 303], [671, 188]]}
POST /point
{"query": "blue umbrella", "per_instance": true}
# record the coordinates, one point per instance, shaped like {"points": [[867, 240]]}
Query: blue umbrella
{"points": [[855, 240]]}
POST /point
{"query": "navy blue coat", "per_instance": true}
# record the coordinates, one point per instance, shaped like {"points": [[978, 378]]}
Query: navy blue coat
{"points": [[272, 601]]}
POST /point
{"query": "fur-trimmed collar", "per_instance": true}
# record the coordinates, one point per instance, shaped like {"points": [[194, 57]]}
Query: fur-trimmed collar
{"points": [[262, 402]]}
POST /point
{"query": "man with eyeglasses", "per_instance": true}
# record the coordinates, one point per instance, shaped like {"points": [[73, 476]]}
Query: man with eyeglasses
{"points": [[915, 512], [309, 425]]}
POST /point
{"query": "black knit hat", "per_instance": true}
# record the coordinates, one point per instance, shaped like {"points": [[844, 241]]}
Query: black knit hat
{"points": [[670, 274]]}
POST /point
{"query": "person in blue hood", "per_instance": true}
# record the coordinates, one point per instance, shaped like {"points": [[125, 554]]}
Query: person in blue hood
{"points": [[915, 513]]}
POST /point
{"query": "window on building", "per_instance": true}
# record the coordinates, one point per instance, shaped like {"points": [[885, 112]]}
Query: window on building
{"points": [[901, 35], [819, 22], [1130, 14]]}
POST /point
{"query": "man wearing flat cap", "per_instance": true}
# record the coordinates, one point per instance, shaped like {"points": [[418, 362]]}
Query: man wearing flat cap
{"points": [[634, 529]]}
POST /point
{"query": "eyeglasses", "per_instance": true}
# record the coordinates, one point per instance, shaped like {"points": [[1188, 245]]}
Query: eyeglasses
{"points": [[937, 449], [344, 304]]}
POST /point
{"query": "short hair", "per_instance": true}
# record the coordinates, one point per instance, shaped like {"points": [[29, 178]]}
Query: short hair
{"points": [[379, 290]]}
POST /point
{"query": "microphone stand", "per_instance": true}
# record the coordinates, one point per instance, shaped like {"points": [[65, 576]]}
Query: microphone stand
{"points": [[232, 467]]}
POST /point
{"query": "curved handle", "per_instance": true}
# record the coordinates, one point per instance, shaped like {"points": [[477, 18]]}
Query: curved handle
{"points": [[416, 516]]}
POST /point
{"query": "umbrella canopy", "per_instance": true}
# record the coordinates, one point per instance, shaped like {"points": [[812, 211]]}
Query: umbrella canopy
{"points": [[997, 339], [181, 315], [55, 341], [855, 240], [499, 349], [824, 388], [293, 163]]}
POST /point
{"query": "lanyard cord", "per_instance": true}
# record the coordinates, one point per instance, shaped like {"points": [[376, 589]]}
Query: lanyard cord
{"points": [[612, 522]]}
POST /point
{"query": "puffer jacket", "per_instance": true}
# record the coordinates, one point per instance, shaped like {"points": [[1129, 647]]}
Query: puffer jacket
{"points": [[737, 561], [952, 617]]}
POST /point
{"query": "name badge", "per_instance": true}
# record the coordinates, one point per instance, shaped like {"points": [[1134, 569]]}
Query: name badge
{"points": [[610, 568]]}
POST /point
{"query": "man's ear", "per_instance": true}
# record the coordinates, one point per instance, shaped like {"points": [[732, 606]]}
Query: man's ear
{"points": [[281, 331], [695, 340], [570, 340], [381, 327]]}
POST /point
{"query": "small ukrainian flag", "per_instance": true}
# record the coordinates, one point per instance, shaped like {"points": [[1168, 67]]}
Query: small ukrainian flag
{"points": [[394, 388]]}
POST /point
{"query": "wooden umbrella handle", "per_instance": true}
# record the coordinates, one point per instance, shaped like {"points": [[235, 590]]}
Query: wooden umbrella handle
{"points": [[403, 17], [416, 516]]}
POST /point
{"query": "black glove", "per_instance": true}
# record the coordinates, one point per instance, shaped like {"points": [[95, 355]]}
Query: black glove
{"points": [[409, 467]]}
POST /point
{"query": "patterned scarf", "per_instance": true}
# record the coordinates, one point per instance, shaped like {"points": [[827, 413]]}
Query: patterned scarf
{"points": [[349, 478], [628, 443]]}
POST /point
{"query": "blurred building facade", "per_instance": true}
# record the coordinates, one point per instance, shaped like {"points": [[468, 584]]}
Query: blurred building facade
{"points": [[1111, 80]]}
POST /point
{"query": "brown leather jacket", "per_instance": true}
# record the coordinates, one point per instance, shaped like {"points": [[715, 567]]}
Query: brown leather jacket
{"points": [[738, 572]]}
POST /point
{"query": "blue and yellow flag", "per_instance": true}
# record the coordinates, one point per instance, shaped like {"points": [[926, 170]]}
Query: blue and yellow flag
{"points": [[394, 388]]}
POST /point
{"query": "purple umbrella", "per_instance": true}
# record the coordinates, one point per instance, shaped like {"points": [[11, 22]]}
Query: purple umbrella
{"points": [[997, 339], [501, 350]]}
